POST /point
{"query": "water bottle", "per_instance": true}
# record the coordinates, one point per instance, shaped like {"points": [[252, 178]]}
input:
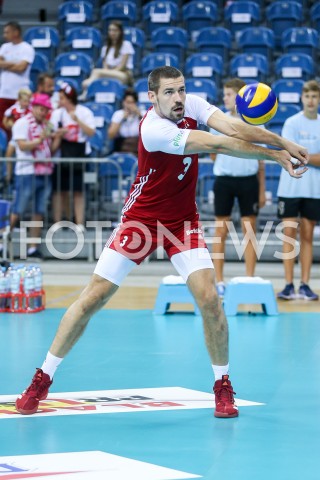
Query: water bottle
{"points": [[28, 287], [14, 276], [37, 286], [4, 289]]}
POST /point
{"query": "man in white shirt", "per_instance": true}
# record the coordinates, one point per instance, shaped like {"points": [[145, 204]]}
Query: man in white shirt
{"points": [[16, 58], [299, 203]]}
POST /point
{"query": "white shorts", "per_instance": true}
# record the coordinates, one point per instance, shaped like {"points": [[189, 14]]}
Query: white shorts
{"points": [[114, 266]]}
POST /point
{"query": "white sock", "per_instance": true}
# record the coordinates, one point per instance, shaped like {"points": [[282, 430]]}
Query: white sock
{"points": [[220, 370], [51, 364]]}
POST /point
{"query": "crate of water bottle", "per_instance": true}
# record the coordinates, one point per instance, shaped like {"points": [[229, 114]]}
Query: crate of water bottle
{"points": [[21, 289]]}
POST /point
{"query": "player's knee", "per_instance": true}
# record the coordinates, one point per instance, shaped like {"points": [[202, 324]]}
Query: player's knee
{"points": [[209, 302]]}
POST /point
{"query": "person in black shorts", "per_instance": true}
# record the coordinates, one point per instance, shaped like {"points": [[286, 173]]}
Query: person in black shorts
{"points": [[244, 181]]}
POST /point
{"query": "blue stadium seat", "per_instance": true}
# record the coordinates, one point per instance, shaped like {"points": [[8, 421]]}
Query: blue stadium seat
{"points": [[300, 40], [257, 40], [58, 81], [315, 16], [203, 88], [76, 65], [106, 91], [205, 65], [170, 40], [127, 162], [141, 87], [284, 111], [250, 67], [295, 65], [154, 60], [138, 39], [125, 11], [85, 40], [74, 13], [97, 144], [3, 143], [283, 15], [44, 40], [40, 64], [288, 91], [102, 116], [240, 15], [199, 14], [214, 40], [158, 14]]}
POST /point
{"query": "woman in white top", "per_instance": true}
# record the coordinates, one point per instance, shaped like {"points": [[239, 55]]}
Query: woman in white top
{"points": [[76, 124], [117, 57]]}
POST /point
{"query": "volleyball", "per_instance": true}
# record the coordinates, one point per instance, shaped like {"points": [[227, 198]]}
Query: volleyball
{"points": [[256, 103]]}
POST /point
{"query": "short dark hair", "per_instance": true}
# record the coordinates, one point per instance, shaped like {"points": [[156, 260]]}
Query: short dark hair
{"points": [[14, 26], [235, 83], [130, 92], [162, 72], [42, 76]]}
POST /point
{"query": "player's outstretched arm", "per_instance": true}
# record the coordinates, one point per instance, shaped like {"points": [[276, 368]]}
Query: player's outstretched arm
{"points": [[204, 142], [236, 128]]}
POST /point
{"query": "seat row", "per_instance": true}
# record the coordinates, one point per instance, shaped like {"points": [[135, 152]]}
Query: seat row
{"points": [[195, 15]]}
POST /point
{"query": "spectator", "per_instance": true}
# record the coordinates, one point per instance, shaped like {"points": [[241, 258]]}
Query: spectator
{"points": [[124, 126], [45, 83], [16, 57], [117, 58], [32, 136], [243, 180], [77, 124], [11, 115], [18, 109], [301, 203]]}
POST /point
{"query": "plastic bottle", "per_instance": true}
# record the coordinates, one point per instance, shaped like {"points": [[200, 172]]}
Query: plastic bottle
{"points": [[28, 288], [4, 289], [37, 286], [14, 276]]}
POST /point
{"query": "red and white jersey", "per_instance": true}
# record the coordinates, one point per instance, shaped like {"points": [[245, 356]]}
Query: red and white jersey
{"points": [[165, 187], [16, 112]]}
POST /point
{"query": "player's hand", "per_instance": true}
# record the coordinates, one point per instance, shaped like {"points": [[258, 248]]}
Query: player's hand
{"points": [[294, 166], [297, 151]]}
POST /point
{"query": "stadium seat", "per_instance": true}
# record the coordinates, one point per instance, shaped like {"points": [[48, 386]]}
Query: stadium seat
{"points": [[3, 142], [102, 116], [240, 15], [283, 112], [257, 40], [158, 14], [74, 13], [283, 15], [138, 39], [97, 144], [295, 65], [124, 11], [204, 88], [170, 40], [300, 40], [75, 65], [106, 91], [214, 40], [154, 60], [288, 91], [127, 162], [85, 40], [315, 16], [199, 14], [40, 64], [141, 87], [205, 65], [250, 67], [44, 40]]}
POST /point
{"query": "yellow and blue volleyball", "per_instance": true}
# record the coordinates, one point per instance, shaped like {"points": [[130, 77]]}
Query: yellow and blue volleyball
{"points": [[256, 103]]}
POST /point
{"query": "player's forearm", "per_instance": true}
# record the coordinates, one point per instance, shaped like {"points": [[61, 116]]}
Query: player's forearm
{"points": [[315, 159]]}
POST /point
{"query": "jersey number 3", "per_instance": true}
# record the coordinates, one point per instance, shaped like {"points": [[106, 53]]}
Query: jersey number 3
{"points": [[187, 162]]}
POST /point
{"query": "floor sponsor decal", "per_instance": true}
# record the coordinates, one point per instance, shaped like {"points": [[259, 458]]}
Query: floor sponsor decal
{"points": [[93, 465], [117, 401]]}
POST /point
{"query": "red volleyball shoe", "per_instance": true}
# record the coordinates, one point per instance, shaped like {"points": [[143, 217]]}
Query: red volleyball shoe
{"points": [[225, 405], [27, 403]]}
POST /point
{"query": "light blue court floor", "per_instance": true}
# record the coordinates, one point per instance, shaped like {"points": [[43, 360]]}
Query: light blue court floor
{"points": [[133, 400]]}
